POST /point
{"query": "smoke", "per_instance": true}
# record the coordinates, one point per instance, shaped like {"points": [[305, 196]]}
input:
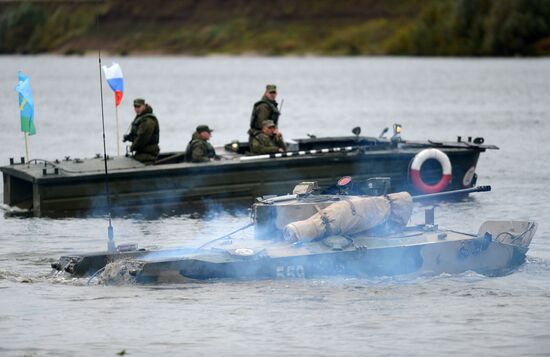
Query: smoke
{"points": [[187, 191], [176, 253], [212, 218], [205, 188], [408, 254]]}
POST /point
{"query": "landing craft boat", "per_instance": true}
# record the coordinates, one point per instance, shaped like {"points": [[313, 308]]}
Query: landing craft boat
{"points": [[306, 235], [75, 186]]}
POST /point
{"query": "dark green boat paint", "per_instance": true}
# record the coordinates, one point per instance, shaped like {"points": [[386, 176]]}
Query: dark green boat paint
{"points": [[74, 187]]}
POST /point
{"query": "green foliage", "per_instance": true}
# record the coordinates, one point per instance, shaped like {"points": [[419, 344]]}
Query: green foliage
{"points": [[477, 27], [218, 37], [429, 35], [353, 27], [19, 28], [469, 26], [31, 29], [65, 24], [542, 46], [515, 26], [368, 38]]}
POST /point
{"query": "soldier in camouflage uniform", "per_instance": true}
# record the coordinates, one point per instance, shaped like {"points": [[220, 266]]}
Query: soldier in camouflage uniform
{"points": [[265, 109], [199, 149], [267, 141], [144, 133]]}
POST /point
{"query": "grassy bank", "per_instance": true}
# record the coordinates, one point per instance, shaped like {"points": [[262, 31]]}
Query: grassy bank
{"points": [[285, 27]]}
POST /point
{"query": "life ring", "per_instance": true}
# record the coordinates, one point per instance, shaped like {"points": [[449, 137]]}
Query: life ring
{"points": [[417, 163]]}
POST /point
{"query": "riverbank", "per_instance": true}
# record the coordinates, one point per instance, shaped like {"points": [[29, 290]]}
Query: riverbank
{"points": [[307, 27]]}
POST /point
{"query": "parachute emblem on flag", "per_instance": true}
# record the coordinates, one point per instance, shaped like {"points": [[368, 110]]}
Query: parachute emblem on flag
{"points": [[26, 104]]}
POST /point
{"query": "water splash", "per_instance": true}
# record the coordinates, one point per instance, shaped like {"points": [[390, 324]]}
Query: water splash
{"points": [[119, 273]]}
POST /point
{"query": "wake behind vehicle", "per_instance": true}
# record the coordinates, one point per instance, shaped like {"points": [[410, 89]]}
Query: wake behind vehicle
{"points": [[306, 235], [73, 186]]}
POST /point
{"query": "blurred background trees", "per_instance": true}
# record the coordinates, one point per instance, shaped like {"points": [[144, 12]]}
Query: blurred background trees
{"points": [[478, 28], [281, 27], [19, 28]]}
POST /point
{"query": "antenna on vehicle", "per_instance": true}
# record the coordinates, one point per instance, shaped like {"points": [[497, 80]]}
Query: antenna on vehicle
{"points": [[111, 248], [384, 131]]}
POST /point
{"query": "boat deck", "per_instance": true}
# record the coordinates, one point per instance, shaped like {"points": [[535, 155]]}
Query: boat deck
{"points": [[76, 186]]}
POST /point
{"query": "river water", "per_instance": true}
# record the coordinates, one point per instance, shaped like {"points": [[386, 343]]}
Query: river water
{"points": [[507, 101]]}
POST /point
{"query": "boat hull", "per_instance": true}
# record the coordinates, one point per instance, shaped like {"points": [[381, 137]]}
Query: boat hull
{"points": [[497, 249], [453, 258], [79, 189]]}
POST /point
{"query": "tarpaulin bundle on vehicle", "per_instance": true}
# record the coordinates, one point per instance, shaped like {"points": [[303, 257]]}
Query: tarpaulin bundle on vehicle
{"points": [[353, 215]]}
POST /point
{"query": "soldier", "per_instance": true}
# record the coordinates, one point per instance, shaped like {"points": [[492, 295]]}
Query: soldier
{"points": [[267, 141], [265, 109], [199, 149], [144, 133]]}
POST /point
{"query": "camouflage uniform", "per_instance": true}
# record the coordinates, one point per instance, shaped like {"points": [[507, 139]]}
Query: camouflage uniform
{"points": [[263, 110], [261, 143], [199, 150], [144, 136]]}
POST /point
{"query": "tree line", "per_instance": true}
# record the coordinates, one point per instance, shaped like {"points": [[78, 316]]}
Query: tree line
{"points": [[478, 28], [401, 27]]}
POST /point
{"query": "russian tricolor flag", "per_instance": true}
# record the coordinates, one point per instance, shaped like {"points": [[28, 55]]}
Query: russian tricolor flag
{"points": [[115, 79]]}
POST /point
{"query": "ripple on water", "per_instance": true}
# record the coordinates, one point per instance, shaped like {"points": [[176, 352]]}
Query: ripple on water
{"points": [[501, 100]]}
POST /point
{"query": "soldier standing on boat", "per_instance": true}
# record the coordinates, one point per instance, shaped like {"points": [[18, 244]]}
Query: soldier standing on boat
{"points": [[199, 149], [144, 133], [265, 109], [267, 141]]}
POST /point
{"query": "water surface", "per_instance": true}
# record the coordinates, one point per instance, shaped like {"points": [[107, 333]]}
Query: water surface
{"points": [[506, 101]]}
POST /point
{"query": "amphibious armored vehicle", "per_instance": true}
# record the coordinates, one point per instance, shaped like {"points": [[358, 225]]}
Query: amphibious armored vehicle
{"points": [[307, 235], [73, 186]]}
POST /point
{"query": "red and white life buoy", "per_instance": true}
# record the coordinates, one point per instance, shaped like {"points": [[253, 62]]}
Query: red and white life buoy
{"points": [[416, 165]]}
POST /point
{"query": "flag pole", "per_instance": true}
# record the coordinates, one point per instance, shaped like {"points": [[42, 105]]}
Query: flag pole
{"points": [[26, 147], [117, 132], [111, 247]]}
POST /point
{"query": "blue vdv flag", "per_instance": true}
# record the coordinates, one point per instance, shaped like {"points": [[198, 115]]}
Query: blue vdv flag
{"points": [[26, 104]]}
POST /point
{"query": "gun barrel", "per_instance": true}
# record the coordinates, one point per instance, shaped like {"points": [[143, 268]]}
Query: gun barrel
{"points": [[450, 193]]}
